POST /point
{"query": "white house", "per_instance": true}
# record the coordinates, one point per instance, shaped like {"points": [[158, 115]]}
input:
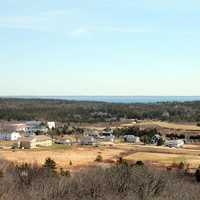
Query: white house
{"points": [[174, 143], [107, 136], [10, 136], [51, 125]]}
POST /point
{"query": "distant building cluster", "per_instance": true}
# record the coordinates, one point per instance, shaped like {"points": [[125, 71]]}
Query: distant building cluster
{"points": [[29, 134]]}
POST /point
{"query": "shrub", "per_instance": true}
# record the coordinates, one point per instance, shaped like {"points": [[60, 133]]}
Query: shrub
{"points": [[99, 158], [70, 163], [50, 165], [65, 172], [174, 165], [121, 161], [160, 142], [181, 165], [197, 174], [139, 163], [147, 139], [25, 173], [1, 173]]}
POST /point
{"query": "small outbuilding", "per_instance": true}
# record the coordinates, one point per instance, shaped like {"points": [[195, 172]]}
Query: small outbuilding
{"points": [[174, 143], [87, 140], [107, 136], [131, 139]]}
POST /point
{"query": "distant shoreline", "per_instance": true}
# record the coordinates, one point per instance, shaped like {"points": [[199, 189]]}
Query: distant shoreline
{"points": [[115, 99]]}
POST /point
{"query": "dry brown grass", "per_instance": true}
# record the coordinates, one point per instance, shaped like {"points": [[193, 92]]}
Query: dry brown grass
{"points": [[186, 127], [165, 159], [6, 143], [85, 156], [80, 156]]}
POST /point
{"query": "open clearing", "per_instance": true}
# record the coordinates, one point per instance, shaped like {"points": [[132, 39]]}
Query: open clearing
{"points": [[80, 156], [163, 159], [176, 126], [85, 156], [146, 123]]}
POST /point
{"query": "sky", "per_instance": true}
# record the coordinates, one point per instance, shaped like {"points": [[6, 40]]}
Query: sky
{"points": [[99, 47]]}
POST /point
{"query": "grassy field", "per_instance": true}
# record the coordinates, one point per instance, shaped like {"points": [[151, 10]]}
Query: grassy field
{"points": [[176, 126], [146, 123], [81, 156], [6, 143], [163, 159]]}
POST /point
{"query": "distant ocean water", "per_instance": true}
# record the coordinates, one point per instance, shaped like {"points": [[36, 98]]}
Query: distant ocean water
{"points": [[118, 99]]}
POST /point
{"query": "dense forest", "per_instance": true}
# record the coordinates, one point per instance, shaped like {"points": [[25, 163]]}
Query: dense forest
{"points": [[82, 111]]}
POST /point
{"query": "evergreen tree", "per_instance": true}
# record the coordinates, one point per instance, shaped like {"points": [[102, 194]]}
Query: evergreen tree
{"points": [[50, 165], [197, 174]]}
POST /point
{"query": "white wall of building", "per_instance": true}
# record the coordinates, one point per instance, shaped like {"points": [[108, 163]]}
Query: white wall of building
{"points": [[51, 125], [10, 136]]}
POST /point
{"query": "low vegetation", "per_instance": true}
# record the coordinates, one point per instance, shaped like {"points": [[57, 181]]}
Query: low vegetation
{"points": [[99, 158], [121, 181]]}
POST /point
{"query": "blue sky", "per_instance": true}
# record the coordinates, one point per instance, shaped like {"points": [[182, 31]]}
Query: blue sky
{"points": [[99, 47]]}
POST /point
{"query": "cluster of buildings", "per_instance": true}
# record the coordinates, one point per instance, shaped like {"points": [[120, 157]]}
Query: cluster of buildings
{"points": [[31, 134], [93, 137], [28, 134], [176, 143]]}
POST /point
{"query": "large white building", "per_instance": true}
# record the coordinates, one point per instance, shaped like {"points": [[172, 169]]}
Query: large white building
{"points": [[51, 125], [10, 136]]}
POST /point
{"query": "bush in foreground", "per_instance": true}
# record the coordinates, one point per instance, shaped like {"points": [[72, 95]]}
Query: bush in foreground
{"points": [[99, 158]]}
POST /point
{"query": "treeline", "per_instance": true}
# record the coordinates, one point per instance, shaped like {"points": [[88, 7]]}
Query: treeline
{"points": [[80, 111], [135, 131], [120, 181]]}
